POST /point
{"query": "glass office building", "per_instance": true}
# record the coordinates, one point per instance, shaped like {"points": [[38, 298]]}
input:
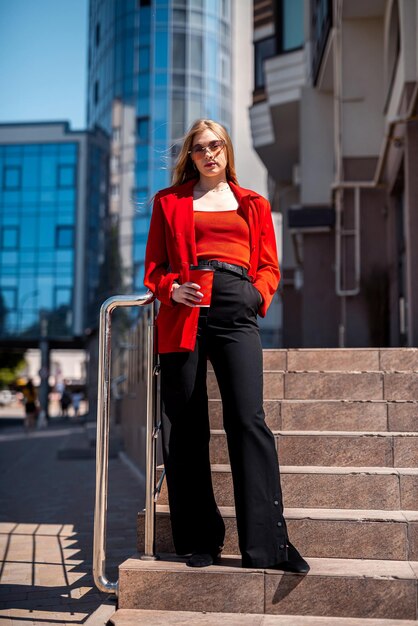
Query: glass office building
{"points": [[52, 201], [154, 67]]}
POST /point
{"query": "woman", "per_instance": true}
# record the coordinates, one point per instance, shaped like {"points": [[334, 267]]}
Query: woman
{"points": [[206, 219]]}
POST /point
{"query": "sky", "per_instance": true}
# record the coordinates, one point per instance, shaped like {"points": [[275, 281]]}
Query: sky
{"points": [[43, 61]]}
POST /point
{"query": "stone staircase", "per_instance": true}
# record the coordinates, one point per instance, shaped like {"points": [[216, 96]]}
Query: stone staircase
{"points": [[345, 422]]}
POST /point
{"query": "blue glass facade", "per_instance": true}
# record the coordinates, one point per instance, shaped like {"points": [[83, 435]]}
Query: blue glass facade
{"points": [[53, 204], [169, 61], [97, 283], [38, 186]]}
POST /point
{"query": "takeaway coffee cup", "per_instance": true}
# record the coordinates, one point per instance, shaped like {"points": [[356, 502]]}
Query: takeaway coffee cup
{"points": [[203, 276]]}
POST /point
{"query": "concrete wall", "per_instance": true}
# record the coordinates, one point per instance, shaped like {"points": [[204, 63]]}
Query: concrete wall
{"points": [[316, 146], [363, 86]]}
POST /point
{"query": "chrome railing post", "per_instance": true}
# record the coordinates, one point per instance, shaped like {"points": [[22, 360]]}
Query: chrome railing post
{"points": [[103, 421], [151, 453]]}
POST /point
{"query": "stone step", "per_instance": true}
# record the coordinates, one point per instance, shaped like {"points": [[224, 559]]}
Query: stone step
{"points": [[342, 360], [333, 587], [345, 415], [330, 487], [148, 617], [395, 386], [322, 533], [344, 449]]}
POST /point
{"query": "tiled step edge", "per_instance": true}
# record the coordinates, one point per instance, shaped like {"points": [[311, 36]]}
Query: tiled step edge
{"points": [[144, 617], [330, 487], [342, 359], [323, 533], [333, 587], [335, 448], [332, 415]]}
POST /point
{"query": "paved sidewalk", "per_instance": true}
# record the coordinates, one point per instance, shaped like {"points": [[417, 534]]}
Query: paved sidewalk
{"points": [[46, 524]]}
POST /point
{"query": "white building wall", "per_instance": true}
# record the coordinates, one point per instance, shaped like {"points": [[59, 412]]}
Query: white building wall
{"points": [[316, 149], [250, 169], [363, 87]]}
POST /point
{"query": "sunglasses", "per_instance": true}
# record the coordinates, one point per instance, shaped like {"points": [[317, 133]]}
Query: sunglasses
{"points": [[199, 151]]}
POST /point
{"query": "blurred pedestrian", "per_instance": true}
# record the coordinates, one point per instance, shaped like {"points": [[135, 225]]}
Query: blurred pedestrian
{"points": [[66, 401], [30, 399], [77, 397]]}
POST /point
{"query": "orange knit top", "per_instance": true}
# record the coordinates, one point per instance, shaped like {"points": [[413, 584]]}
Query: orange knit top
{"points": [[222, 235]]}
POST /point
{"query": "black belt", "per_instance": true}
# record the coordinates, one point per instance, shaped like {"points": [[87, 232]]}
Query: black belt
{"points": [[227, 267]]}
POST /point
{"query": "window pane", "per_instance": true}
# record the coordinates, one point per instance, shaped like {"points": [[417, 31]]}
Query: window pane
{"points": [[196, 53], [28, 232], [179, 51], [66, 176], [62, 296], [48, 171], [11, 177], [143, 63], [263, 50], [195, 110], [9, 258], [179, 80], [11, 198], [179, 16], [142, 129], [10, 237], [292, 33], [64, 236], [67, 153], [46, 232], [161, 50], [177, 117], [30, 171], [9, 298], [66, 196], [196, 20], [196, 82]]}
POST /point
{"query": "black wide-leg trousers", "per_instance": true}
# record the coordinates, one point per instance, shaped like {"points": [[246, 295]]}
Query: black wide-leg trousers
{"points": [[228, 335]]}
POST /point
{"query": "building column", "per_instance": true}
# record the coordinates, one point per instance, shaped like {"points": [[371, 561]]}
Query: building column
{"points": [[411, 230]]}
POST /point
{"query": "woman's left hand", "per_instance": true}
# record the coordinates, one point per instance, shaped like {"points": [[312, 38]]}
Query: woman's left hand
{"points": [[187, 293]]}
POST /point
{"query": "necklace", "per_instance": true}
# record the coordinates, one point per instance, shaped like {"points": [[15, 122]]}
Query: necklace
{"points": [[212, 190]]}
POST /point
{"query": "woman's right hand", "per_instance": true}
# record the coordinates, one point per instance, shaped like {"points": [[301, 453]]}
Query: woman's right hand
{"points": [[187, 293]]}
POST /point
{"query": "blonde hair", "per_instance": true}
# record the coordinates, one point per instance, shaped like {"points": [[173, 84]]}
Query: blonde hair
{"points": [[184, 169]]}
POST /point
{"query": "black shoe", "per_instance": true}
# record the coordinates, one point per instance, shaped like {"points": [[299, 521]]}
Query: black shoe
{"points": [[203, 559], [200, 560], [295, 562]]}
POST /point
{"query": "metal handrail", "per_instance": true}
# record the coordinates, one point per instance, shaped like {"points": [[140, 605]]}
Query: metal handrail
{"points": [[102, 445]]}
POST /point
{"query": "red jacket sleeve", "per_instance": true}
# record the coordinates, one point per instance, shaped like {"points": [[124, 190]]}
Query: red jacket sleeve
{"points": [[267, 277], [157, 277]]}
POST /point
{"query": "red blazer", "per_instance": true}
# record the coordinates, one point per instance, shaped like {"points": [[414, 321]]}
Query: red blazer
{"points": [[171, 249]]}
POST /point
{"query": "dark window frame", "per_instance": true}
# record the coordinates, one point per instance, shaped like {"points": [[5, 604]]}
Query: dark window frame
{"points": [[3, 243], [278, 24], [14, 291], [139, 138], [319, 33], [58, 288], [260, 84], [60, 167], [59, 228], [7, 168], [97, 34]]}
